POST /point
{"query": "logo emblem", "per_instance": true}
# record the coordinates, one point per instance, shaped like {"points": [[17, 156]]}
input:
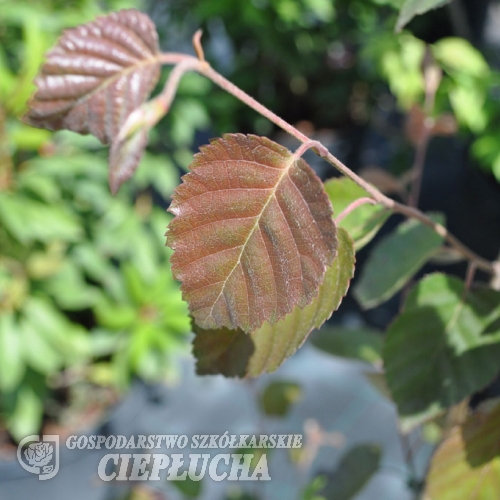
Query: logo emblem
{"points": [[39, 456]]}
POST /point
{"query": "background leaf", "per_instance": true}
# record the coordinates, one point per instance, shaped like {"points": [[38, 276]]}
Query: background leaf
{"points": [[467, 463], [279, 396], [273, 344], [253, 233], [354, 471], [356, 343], [443, 347], [96, 75], [363, 223], [394, 260], [412, 8]]}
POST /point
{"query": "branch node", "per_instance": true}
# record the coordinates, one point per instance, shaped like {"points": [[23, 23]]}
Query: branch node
{"points": [[197, 46], [319, 149]]}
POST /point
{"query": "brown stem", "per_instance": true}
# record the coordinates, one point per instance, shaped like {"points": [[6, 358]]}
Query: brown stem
{"points": [[205, 69], [198, 48], [170, 88], [229, 87], [418, 165]]}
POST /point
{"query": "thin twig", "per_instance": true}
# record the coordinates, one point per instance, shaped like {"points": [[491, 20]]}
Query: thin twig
{"points": [[169, 90], [202, 67], [355, 204], [198, 48], [432, 79], [471, 271], [229, 87]]}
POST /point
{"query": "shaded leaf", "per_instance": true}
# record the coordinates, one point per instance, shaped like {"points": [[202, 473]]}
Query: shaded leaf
{"points": [[467, 463], [412, 8], [273, 344], [279, 396], [188, 487], [96, 75], [394, 260], [356, 343], [225, 352], [443, 347], [253, 233], [354, 471], [363, 223]]}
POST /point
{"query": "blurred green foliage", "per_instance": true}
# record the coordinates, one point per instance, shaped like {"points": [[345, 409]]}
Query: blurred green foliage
{"points": [[86, 292]]}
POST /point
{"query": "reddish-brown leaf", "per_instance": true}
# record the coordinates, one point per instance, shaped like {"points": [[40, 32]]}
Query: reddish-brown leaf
{"points": [[253, 233], [233, 353], [96, 75]]}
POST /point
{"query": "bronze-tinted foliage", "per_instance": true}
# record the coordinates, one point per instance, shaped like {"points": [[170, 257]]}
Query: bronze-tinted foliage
{"points": [[233, 353], [253, 233], [96, 75]]}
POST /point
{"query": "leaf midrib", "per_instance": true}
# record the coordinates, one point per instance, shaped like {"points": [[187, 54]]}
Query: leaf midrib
{"points": [[251, 232]]}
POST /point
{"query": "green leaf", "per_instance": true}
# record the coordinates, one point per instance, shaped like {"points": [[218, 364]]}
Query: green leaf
{"points": [[12, 365], [279, 396], [188, 487], [27, 415], [443, 347], [70, 289], [363, 223], [63, 342], [273, 344], [468, 101], [467, 464], [458, 55], [412, 8], [29, 220], [158, 171], [356, 468], [394, 260], [400, 60], [39, 353], [115, 316], [356, 343]]}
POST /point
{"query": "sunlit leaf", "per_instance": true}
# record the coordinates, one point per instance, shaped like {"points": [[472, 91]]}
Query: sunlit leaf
{"points": [[459, 55], [96, 75], [269, 346], [28, 220], [467, 464], [443, 347], [394, 260], [253, 233]]}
